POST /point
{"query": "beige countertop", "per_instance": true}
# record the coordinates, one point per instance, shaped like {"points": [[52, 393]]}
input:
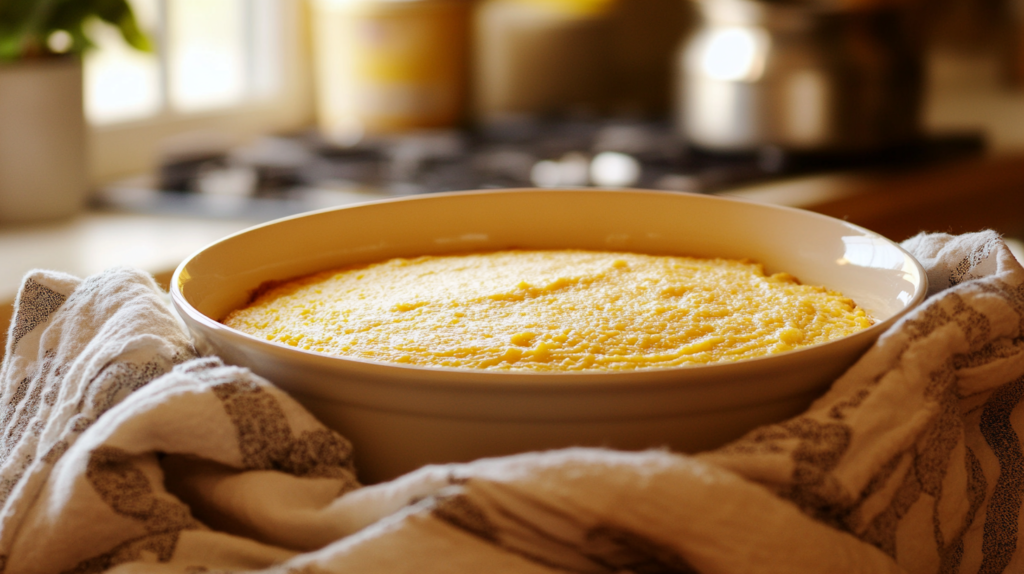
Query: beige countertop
{"points": [[956, 196], [94, 241]]}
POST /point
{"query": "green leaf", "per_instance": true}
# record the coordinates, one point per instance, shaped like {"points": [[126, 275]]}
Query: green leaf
{"points": [[119, 13], [25, 25], [22, 22]]}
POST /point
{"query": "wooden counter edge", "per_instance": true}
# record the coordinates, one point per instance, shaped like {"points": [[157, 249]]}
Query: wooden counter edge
{"points": [[959, 196]]}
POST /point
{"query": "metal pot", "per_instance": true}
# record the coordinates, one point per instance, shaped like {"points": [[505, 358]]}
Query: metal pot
{"points": [[803, 78]]}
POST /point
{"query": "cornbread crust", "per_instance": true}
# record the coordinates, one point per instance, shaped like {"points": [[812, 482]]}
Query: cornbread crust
{"points": [[557, 310]]}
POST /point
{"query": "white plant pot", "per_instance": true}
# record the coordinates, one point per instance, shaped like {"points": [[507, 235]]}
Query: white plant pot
{"points": [[42, 140]]}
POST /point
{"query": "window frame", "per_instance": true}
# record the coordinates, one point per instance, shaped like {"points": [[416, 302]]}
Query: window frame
{"points": [[124, 149]]}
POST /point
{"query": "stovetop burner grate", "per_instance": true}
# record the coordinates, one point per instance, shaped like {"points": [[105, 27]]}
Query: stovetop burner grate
{"points": [[279, 176]]}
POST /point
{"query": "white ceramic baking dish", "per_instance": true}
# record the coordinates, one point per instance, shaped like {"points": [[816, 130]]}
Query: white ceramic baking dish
{"points": [[401, 417]]}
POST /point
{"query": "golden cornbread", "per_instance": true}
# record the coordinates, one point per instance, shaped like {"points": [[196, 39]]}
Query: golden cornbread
{"points": [[557, 310]]}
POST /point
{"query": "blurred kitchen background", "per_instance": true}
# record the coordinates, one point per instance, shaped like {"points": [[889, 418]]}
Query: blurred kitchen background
{"points": [[900, 115], [255, 109]]}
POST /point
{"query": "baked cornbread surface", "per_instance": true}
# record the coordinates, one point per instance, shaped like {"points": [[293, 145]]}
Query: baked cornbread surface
{"points": [[559, 310]]}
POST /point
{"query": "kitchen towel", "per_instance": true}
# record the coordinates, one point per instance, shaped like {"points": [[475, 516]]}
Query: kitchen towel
{"points": [[122, 451]]}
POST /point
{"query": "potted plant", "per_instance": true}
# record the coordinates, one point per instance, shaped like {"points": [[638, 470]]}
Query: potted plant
{"points": [[43, 161]]}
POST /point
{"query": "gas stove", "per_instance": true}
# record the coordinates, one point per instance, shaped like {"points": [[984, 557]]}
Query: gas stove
{"points": [[284, 175]]}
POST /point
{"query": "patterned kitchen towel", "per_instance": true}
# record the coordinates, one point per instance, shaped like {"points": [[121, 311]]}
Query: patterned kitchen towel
{"points": [[121, 452]]}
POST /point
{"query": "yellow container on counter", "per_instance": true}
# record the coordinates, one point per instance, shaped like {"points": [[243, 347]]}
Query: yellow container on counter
{"points": [[389, 65]]}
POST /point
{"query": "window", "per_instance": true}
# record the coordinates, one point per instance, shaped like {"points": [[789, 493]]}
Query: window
{"points": [[223, 69]]}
